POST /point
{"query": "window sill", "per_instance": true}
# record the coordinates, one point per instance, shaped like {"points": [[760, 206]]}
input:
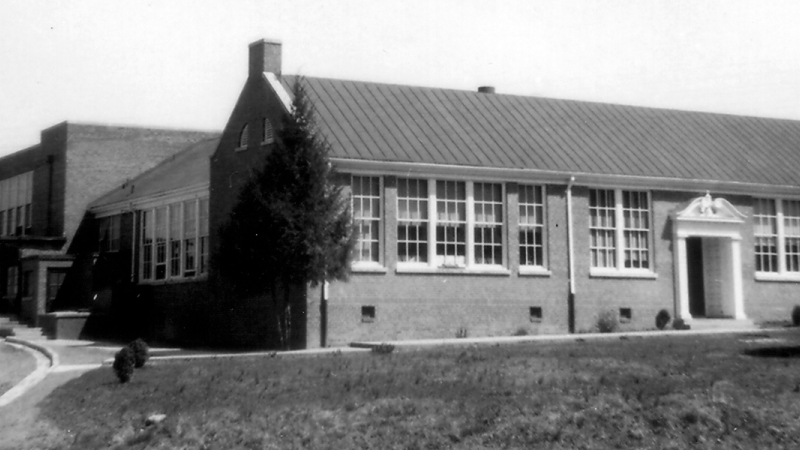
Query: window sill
{"points": [[367, 268], [780, 277], [475, 270], [203, 277], [527, 271], [629, 273]]}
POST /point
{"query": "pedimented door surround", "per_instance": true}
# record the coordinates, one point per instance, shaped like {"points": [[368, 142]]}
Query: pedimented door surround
{"points": [[719, 225]]}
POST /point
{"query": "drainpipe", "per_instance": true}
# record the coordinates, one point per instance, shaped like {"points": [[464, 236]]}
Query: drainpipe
{"points": [[571, 259], [323, 315], [133, 243]]}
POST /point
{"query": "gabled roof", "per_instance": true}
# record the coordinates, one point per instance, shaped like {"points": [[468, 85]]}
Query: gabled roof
{"points": [[184, 170], [393, 123]]}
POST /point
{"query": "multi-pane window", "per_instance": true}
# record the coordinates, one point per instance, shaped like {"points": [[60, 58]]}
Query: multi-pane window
{"points": [[109, 233], [636, 229], [366, 198], [531, 226], [619, 229], [777, 235], [602, 228], [451, 223], [147, 245], [266, 132], [243, 136], [161, 243], [189, 238], [203, 226], [412, 220], [765, 222], [488, 223], [174, 240], [16, 197]]}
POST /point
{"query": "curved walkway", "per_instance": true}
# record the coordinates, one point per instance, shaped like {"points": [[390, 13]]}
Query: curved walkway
{"points": [[45, 361]]}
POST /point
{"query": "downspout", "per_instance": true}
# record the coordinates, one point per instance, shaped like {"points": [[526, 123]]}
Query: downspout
{"points": [[571, 259], [133, 244], [323, 315]]}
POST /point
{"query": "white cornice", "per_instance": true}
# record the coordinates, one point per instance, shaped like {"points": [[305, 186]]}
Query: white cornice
{"points": [[279, 90], [558, 177]]}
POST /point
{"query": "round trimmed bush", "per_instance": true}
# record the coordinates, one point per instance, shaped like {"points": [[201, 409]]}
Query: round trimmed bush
{"points": [[141, 352], [123, 364], [662, 319], [796, 315]]}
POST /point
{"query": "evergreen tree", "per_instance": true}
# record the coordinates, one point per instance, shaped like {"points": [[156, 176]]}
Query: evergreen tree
{"points": [[291, 226]]}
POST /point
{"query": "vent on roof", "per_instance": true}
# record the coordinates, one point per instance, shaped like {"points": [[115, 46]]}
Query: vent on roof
{"points": [[486, 89]]}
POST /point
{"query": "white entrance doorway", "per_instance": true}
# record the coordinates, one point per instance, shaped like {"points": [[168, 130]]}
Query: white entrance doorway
{"points": [[708, 265]]}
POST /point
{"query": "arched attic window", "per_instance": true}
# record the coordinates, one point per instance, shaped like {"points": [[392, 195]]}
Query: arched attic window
{"points": [[267, 136], [243, 136]]}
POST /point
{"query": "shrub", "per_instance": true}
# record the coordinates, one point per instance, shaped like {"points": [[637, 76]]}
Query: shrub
{"points": [[383, 349], [521, 331], [662, 319], [607, 321], [461, 333], [796, 315], [123, 364], [141, 352]]}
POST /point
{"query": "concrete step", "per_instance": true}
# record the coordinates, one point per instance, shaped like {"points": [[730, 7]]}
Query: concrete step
{"points": [[24, 332]]}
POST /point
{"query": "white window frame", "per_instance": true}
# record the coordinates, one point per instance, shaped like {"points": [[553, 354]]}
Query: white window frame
{"points": [[368, 264], [781, 236], [470, 266], [619, 269], [16, 199]]}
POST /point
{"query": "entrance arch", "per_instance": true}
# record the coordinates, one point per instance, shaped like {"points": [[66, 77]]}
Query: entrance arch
{"points": [[706, 241]]}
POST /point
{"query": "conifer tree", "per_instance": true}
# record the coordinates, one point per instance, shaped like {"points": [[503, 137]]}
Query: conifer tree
{"points": [[291, 227]]}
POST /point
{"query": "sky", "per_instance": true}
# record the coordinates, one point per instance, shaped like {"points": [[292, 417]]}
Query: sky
{"points": [[182, 64]]}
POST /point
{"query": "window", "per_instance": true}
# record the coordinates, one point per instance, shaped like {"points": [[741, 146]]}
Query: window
{"points": [[109, 233], [619, 229], [11, 282], [366, 198], [26, 283], [625, 315], [266, 132], [242, 143], [535, 313], [174, 240], [368, 314], [488, 223], [449, 224], [189, 237], [531, 226], [777, 236], [412, 220], [147, 245], [16, 197], [203, 226]]}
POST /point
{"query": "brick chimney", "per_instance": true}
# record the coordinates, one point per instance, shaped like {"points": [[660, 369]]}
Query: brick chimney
{"points": [[265, 56]]}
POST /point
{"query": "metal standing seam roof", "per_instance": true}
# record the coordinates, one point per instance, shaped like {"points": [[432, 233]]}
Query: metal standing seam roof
{"points": [[189, 167], [395, 123]]}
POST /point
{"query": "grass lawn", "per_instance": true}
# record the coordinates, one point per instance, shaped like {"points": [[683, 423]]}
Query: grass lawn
{"points": [[727, 391], [15, 364]]}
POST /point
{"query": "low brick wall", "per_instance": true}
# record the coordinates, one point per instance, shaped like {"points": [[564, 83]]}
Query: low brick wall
{"points": [[70, 324]]}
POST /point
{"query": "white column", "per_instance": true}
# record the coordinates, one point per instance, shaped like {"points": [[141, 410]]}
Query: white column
{"points": [[736, 266], [681, 279]]}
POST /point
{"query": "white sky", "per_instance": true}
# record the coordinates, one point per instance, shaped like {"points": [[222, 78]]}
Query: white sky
{"points": [[182, 63]]}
